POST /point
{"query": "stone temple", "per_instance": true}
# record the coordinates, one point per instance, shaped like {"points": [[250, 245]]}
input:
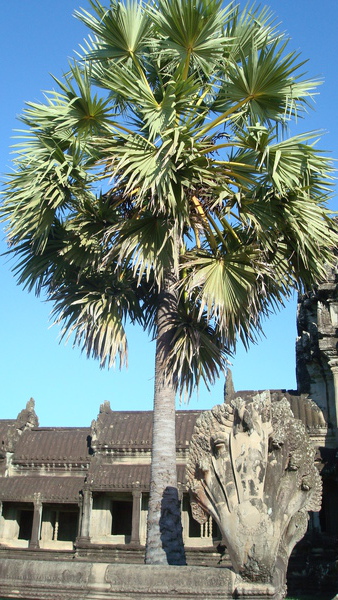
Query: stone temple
{"points": [[81, 494]]}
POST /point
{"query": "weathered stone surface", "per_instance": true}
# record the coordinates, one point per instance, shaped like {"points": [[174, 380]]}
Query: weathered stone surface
{"points": [[251, 467], [316, 346], [56, 580], [64, 580], [26, 419], [158, 581], [255, 591]]}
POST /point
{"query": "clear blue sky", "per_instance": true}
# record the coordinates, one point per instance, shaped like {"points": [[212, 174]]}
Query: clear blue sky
{"points": [[37, 37]]}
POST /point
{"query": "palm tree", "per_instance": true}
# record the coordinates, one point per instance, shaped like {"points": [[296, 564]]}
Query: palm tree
{"points": [[175, 199]]}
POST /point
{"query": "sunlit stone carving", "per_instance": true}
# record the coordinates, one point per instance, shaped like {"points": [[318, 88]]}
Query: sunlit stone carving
{"points": [[251, 467]]}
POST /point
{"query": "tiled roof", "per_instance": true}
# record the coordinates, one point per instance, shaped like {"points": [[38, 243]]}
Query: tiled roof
{"points": [[51, 489], [5, 424], [117, 429], [185, 423], [53, 445], [121, 477], [121, 430]]}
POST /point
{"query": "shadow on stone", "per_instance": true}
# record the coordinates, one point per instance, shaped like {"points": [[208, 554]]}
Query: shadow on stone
{"points": [[171, 528]]}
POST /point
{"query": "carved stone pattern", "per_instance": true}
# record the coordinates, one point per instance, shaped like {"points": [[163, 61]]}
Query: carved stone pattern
{"points": [[317, 340], [251, 467]]}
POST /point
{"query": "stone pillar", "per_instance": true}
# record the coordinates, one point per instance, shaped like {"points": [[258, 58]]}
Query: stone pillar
{"points": [[334, 370], [36, 527], [135, 524], [86, 517]]}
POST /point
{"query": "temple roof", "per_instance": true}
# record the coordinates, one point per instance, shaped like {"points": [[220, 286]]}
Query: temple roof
{"points": [[119, 429], [121, 477], [113, 454], [53, 445], [123, 430], [50, 488]]}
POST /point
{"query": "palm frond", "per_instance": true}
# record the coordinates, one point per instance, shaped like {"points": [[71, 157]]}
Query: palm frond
{"points": [[95, 321], [191, 31], [145, 242], [268, 78], [122, 32], [198, 351], [226, 286], [255, 25]]}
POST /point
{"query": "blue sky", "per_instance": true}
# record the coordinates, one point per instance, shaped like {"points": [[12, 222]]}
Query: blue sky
{"points": [[37, 37]]}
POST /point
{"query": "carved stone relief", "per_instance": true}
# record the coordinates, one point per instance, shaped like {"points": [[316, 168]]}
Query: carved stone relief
{"points": [[251, 467], [317, 345]]}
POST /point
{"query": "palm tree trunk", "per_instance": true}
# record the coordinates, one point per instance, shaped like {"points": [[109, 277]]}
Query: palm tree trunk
{"points": [[164, 529]]}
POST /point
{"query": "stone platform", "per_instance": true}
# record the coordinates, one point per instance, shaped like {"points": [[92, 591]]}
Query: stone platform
{"points": [[82, 580]]}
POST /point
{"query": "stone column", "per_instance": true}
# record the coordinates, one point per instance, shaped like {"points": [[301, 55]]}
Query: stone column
{"points": [[36, 527], [86, 517], [135, 524], [334, 370]]}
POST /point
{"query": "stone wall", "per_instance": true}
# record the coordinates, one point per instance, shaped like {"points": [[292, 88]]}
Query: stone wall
{"points": [[66, 580]]}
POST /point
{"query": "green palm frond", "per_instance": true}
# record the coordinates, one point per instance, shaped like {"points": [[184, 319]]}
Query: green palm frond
{"points": [[225, 285], [191, 31], [157, 113], [294, 163], [198, 351], [95, 321], [85, 113], [147, 172], [92, 306], [122, 32], [268, 78], [252, 26], [145, 242]]}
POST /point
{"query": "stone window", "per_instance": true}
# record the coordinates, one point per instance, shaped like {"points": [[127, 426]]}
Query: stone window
{"points": [[194, 528], [195, 534], [25, 519], [143, 518], [328, 515], [111, 520], [59, 525], [65, 526], [122, 511], [16, 523]]}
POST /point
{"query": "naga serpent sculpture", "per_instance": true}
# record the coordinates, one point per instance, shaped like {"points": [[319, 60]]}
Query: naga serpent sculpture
{"points": [[251, 467]]}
